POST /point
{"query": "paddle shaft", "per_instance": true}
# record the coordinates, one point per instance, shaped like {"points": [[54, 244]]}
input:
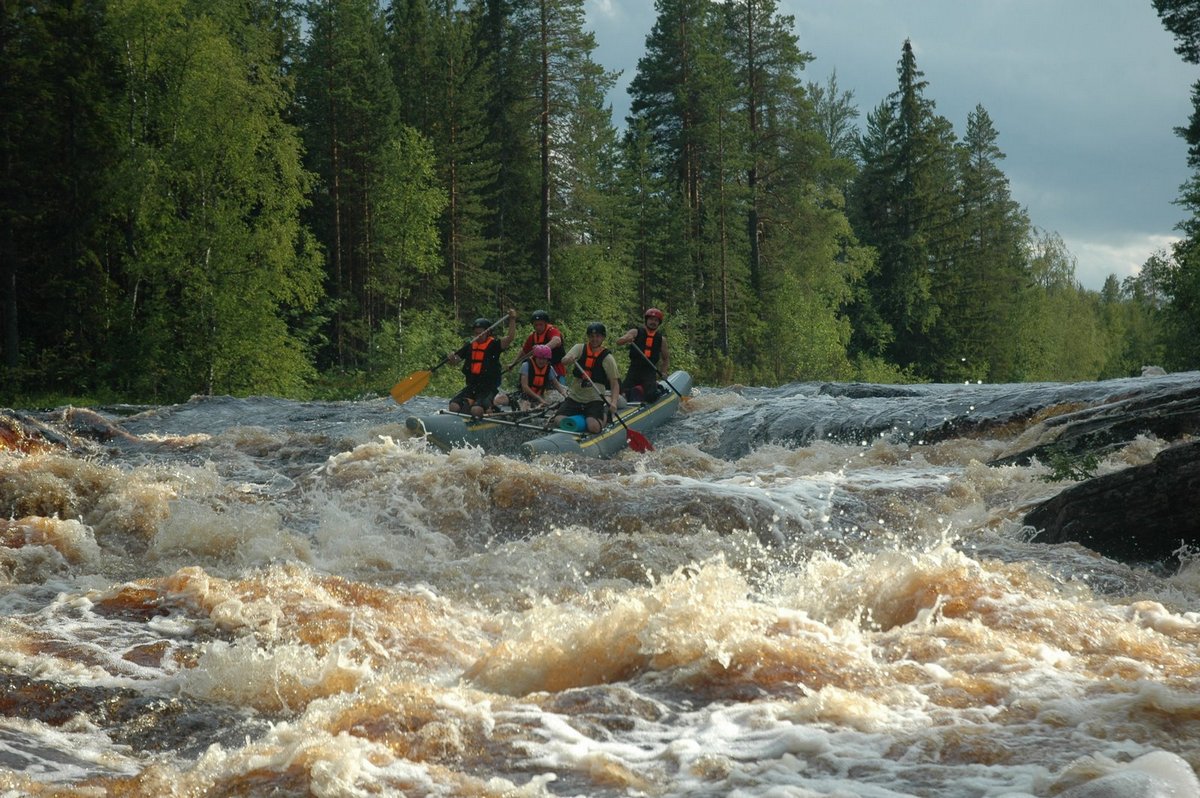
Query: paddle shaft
{"points": [[416, 382], [509, 423], [637, 441], [665, 378]]}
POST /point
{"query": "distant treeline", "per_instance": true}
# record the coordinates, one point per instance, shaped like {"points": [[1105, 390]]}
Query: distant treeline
{"points": [[315, 198]]}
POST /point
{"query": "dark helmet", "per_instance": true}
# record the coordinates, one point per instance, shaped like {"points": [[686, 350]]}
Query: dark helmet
{"points": [[481, 323], [653, 313], [540, 315], [596, 327]]}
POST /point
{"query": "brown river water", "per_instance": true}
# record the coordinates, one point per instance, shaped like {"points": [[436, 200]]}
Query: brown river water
{"points": [[814, 590]]}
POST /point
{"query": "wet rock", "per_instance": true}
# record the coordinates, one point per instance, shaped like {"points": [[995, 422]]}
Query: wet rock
{"points": [[21, 431], [1142, 514], [1166, 414], [90, 424]]}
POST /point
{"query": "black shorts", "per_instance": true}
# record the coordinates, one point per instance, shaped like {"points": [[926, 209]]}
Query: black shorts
{"points": [[470, 396], [646, 380], [595, 409]]}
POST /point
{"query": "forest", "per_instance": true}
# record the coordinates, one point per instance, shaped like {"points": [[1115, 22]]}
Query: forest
{"points": [[311, 199]]}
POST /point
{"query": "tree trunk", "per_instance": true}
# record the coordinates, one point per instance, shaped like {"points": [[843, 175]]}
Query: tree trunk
{"points": [[544, 231]]}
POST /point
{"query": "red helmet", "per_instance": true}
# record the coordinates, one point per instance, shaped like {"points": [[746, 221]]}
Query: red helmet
{"points": [[653, 313]]}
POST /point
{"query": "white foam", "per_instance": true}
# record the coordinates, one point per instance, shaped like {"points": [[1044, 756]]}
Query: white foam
{"points": [[1158, 774]]}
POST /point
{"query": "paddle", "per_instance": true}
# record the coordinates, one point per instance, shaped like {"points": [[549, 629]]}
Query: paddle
{"points": [[665, 379], [510, 423], [637, 441], [524, 356], [416, 382]]}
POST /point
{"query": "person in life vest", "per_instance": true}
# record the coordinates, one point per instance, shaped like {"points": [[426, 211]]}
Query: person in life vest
{"points": [[538, 379], [597, 371], [546, 334], [648, 357], [481, 367]]}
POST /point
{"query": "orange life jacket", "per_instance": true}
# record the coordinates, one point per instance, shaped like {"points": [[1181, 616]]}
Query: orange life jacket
{"points": [[537, 378], [593, 360], [475, 359]]}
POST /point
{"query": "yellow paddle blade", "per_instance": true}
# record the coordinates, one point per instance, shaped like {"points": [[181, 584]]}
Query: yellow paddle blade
{"points": [[410, 386]]}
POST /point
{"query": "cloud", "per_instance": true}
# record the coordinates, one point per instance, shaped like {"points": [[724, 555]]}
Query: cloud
{"points": [[1121, 256], [598, 10]]}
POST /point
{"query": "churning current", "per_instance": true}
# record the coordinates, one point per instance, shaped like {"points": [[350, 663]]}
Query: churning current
{"points": [[812, 590]]}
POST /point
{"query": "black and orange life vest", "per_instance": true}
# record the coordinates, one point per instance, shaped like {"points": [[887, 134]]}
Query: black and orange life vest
{"points": [[556, 352], [481, 361], [592, 361], [538, 377], [650, 344]]}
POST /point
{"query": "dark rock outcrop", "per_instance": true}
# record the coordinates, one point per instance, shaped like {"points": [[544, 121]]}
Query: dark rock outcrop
{"points": [[1142, 514], [1097, 429]]}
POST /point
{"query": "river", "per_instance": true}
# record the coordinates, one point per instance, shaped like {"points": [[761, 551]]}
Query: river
{"points": [[812, 590]]}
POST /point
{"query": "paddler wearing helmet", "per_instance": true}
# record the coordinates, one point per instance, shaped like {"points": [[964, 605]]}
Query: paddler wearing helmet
{"points": [[544, 332], [480, 357], [592, 370], [649, 358], [538, 379]]}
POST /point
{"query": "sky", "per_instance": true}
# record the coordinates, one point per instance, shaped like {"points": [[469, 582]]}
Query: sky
{"points": [[1085, 96]]}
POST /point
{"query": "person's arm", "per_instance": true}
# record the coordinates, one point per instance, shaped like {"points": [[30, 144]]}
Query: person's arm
{"points": [[614, 381], [456, 356], [572, 355], [511, 335], [524, 358], [525, 389], [526, 348], [626, 338]]}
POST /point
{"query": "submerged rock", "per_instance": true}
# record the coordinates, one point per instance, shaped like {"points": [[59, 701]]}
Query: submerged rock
{"points": [[1142, 514]]}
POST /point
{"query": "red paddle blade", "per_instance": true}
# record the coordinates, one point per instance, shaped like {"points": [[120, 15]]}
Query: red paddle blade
{"points": [[638, 442]]}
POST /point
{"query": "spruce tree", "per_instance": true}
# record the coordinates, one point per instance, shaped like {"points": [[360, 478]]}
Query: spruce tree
{"points": [[58, 144], [982, 287], [349, 112], [1182, 18], [906, 205]]}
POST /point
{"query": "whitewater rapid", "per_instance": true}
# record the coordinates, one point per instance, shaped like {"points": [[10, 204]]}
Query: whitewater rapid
{"points": [[815, 590]]}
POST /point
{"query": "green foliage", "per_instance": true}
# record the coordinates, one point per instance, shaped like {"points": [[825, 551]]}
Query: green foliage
{"points": [[419, 343], [875, 370], [213, 186], [203, 201], [57, 140], [600, 288], [409, 202], [1066, 464], [347, 106], [981, 289], [904, 202]]}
